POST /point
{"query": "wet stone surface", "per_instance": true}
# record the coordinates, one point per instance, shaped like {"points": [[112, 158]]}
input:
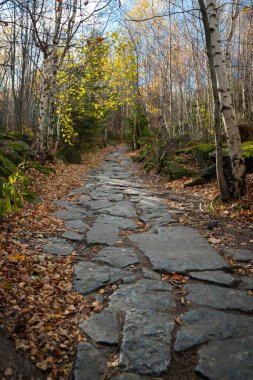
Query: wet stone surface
{"points": [[138, 321]]}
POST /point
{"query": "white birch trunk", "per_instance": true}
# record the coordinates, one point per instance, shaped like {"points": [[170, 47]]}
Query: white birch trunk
{"points": [[43, 108], [227, 109]]}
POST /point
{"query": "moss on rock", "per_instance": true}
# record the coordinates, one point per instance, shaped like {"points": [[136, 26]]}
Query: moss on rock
{"points": [[175, 170], [70, 155], [6, 166]]}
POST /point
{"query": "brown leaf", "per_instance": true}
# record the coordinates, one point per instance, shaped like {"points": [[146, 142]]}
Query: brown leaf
{"points": [[85, 309], [178, 320], [8, 371]]}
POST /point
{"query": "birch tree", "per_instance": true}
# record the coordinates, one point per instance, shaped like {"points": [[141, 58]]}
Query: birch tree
{"points": [[237, 179]]}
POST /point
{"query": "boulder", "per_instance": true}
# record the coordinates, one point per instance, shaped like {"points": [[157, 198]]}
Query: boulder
{"points": [[175, 170], [70, 155]]}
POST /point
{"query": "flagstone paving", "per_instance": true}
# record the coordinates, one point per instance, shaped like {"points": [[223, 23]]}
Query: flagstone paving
{"points": [[132, 240]]}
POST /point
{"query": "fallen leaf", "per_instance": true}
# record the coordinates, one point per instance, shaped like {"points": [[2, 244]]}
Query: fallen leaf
{"points": [[8, 371], [16, 257], [214, 240], [178, 320]]}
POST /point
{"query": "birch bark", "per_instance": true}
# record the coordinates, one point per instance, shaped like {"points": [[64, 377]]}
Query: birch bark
{"points": [[237, 180]]}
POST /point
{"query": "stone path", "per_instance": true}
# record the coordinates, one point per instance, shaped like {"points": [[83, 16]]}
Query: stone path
{"points": [[147, 322]]}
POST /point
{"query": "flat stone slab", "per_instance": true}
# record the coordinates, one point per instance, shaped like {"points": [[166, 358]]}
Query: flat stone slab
{"points": [[143, 295], [123, 183], [104, 192], [243, 255], [83, 200], [71, 235], [227, 360], [134, 199], [204, 325], [128, 376], [150, 274], [57, 246], [63, 203], [115, 197], [150, 203], [219, 297], [90, 276], [119, 175], [90, 363], [122, 223], [217, 277], [157, 218], [123, 209], [131, 192], [146, 342], [103, 327], [77, 224], [68, 215], [117, 257], [247, 282], [78, 209], [96, 205], [178, 249], [101, 233]]}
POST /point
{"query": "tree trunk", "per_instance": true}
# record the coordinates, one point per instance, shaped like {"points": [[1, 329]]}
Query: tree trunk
{"points": [[237, 178], [227, 109], [217, 127], [43, 108]]}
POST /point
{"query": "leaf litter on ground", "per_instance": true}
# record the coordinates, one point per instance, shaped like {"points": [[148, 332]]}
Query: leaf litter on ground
{"points": [[38, 306]]}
